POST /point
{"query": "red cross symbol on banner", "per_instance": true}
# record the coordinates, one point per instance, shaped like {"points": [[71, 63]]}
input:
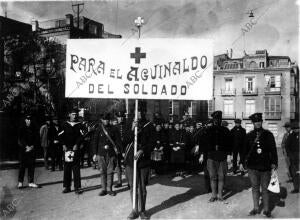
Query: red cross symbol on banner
{"points": [[137, 55]]}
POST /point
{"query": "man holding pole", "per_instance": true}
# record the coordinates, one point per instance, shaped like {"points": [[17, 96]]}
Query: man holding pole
{"points": [[143, 158]]}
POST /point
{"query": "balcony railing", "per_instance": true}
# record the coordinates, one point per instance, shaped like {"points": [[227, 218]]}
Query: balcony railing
{"points": [[272, 115], [273, 90], [247, 92], [229, 115], [225, 92]]}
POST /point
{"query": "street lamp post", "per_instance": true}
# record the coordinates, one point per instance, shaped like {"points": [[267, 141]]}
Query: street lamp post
{"points": [[139, 21]]}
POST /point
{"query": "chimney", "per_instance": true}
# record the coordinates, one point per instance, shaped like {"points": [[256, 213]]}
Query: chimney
{"points": [[69, 20], [231, 52], [35, 25]]}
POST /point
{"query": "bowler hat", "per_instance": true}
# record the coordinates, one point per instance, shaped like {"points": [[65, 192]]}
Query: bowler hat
{"points": [[295, 125], [256, 117]]}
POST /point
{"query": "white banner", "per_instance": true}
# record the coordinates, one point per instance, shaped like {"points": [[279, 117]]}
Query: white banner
{"points": [[140, 69]]}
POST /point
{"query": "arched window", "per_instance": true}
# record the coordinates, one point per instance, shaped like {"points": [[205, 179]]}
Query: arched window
{"points": [[253, 64]]}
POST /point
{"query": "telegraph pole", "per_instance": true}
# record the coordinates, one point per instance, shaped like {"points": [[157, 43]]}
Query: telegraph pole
{"points": [[78, 11]]}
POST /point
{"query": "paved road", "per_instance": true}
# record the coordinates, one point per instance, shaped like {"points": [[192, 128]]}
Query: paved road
{"points": [[168, 198]]}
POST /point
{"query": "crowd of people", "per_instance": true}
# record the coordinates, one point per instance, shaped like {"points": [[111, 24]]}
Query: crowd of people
{"points": [[179, 147]]}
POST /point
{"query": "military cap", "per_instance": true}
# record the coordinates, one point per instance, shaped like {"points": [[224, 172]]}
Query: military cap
{"points": [[176, 122], [238, 121], [287, 124], [106, 116], [256, 117], [217, 115], [73, 110]]}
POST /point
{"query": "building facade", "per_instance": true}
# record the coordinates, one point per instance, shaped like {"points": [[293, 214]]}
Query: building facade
{"points": [[256, 83]]}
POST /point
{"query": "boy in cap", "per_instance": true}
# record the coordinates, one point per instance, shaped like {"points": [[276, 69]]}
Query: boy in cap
{"points": [[260, 157]]}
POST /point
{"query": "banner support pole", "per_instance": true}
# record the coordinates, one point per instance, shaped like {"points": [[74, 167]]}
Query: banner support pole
{"points": [[135, 161]]}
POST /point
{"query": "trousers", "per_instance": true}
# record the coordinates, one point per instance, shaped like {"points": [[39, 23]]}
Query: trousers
{"points": [[260, 179], [74, 167], [141, 191], [27, 160]]}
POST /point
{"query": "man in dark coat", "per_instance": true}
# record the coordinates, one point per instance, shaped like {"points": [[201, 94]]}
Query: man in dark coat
{"points": [[143, 156], [218, 149], [238, 134], [259, 156], [56, 150], [123, 130], [71, 138], [106, 146], [178, 142], [28, 142], [292, 150]]}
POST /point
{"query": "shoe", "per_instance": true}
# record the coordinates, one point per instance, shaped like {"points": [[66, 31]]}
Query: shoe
{"points": [[133, 215], [143, 215], [103, 193], [33, 185], [66, 190], [20, 185], [295, 191], [220, 199], [253, 212], [52, 170], [213, 199], [242, 173], [78, 191], [111, 193], [118, 185], [267, 214]]}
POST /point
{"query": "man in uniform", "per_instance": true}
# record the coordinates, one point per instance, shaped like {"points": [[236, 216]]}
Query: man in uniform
{"points": [[218, 149], [71, 136], [145, 146], [28, 142], [292, 150], [238, 134], [259, 156], [121, 125], [105, 147]]}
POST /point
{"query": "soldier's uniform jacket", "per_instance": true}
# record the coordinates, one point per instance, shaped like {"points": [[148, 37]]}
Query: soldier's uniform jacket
{"points": [[292, 146], [124, 131], [218, 142], [100, 140], [71, 134], [145, 143], [238, 135], [263, 153]]}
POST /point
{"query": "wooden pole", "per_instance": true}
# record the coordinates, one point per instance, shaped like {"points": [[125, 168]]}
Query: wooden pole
{"points": [[135, 161]]}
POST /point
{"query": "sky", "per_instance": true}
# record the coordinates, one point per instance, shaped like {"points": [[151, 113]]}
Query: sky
{"points": [[275, 26]]}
